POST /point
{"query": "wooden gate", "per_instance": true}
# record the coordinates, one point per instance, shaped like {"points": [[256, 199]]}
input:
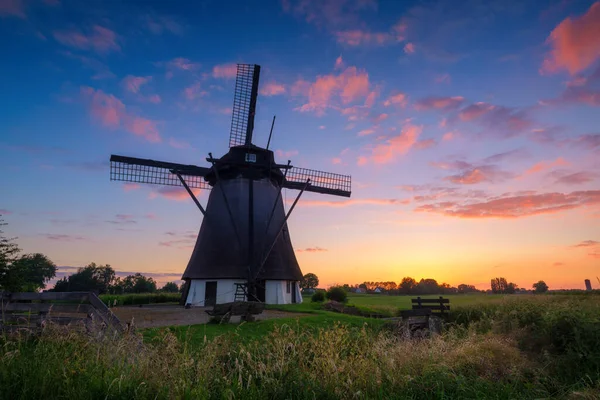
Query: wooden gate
{"points": [[32, 311]]}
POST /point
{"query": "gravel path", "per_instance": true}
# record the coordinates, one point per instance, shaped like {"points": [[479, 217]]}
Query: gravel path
{"points": [[168, 315]]}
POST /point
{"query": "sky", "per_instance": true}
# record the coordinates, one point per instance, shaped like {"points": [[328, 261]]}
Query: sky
{"points": [[470, 129]]}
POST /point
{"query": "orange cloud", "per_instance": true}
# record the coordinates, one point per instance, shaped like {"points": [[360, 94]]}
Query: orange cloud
{"points": [[484, 173], [112, 113], [397, 99], [397, 145], [575, 43], [311, 250], [226, 71], [349, 86], [133, 83], [516, 206], [100, 39], [544, 165], [587, 243], [443, 103], [174, 193], [272, 89]]}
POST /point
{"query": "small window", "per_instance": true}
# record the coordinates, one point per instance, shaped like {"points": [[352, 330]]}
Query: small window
{"points": [[250, 157], [289, 287]]}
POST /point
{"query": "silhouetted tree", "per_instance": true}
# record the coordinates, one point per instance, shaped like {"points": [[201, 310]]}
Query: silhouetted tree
{"points": [[501, 286], [407, 285], [463, 288], [427, 286], [170, 287], [91, 278], [309, 281], [540, 287], [138, 283]]}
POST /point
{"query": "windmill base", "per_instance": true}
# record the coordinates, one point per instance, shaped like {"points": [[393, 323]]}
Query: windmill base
{"points": [[208, 292]]}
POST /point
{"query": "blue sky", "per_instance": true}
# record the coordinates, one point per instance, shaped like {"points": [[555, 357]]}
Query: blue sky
{"points": [[470, 130]]}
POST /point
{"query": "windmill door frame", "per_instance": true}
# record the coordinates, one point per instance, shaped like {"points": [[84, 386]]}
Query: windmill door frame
{"points": [[210, 293]]}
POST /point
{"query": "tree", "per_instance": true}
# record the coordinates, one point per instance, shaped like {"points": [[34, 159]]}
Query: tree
{"points": [[309, 281], [8, 253], [31, 272], [170, 287], [427, 286], [500, 285], [91, 278], [138, 283], [336, 293], [407, 285], [540, 287], [464, 288]]}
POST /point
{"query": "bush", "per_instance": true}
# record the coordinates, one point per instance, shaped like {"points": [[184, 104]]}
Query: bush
{"points": [[336, 293], [318, 297]]}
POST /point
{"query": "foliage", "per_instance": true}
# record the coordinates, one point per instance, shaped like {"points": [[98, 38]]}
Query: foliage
{"points": [[170, 287], [30, 273], [500, 285], [464, 288], [113, 300], [138, 283], [318, 297], [407, 285], [336, 293], [91, 278], [540, 287], [8, 250], [309, 281]]}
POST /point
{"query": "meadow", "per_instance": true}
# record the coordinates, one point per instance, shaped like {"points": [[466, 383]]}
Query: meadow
{"points": [[522, 346]]}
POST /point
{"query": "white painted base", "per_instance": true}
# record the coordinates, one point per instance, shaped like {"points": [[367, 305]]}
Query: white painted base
{"points": [[276, 292]]}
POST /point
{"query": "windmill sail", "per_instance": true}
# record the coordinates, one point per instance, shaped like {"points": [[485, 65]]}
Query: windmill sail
{"points": [[320, 181], [244, 104], [139, 170]]}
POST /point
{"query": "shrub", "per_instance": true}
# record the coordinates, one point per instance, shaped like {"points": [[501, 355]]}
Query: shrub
{"points": [[336, 293], [318, 297]]}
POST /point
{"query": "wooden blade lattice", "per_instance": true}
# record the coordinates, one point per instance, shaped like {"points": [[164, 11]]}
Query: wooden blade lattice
{"points": [[320, 181]]}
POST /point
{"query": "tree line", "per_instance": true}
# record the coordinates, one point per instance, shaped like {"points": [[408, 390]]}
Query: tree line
{"points": [[32, 272]]}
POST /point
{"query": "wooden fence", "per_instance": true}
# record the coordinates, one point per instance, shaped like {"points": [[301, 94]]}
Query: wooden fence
{"points": [[33, 310]]}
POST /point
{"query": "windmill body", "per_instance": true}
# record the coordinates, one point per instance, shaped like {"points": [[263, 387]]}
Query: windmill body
{"points": [[243, 250]]}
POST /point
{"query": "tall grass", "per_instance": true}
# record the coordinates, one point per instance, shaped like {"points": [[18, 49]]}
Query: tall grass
{"points": [[113, 300]]}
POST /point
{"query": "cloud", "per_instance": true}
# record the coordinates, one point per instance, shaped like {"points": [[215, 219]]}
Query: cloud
{"points": [[332, 14], [112, 113], [62, 237], [272, 89], [131, 186], [351, 202], [339, 63], [442, 78], [366, 132], [516, 206], [396, 99], [575, 43], [587, 243], [425, 144], [396, 146], [122, 219], [577, 178], [133, 83], [174, 193], [440, 103], [179, 144], [329, 91], [12, 8], [380, 118], [357, 37], [194, 91], [409, 48], [101, 70], [182, 64], [4, 211], [448, 136], [225, 71], [546, 165], [181, 240], [99, 39], [157, 24], [311, 250], [361, 161], [592, 245], [285, 154], [505, 120]]}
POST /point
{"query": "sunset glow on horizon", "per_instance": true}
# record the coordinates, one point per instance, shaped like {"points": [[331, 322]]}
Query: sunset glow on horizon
{"points": [[471, 131]]}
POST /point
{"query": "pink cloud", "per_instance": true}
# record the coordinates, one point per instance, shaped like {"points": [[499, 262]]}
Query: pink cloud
{"points": [[361, 161], [331, 14], [358, 37], [179, 144], [133, 83], [484, 173], [194, 91], [575, 43], [4, 211], [516, 206], [112, 113], [448, 136], [130, 186], [339, 63], [397, 99], [12, 8], [475, 111], [351, 202], [174, 193], [577, 178], [286, 154], [545, 165], [442, 103], [225, 71], [504, 120], [154, 98], [381, 117], [272, 89], [443, 78], [183, 64], [329, 90], [366, 132], [336, 160], [425, 144], [100, 39], [63, 238], [397, 145], [409, 48], [161, 23]]}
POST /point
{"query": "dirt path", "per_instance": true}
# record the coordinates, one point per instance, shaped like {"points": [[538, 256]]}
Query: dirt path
{"points": [[169, 315]]}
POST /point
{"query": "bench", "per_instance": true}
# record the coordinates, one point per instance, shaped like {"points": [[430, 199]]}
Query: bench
{"points": [[247, 309], [438, 307]]}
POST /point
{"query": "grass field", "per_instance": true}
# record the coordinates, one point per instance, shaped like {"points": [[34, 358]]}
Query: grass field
{"points": [[513, 347]]}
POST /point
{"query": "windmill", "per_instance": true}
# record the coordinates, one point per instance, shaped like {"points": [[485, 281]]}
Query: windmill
{"points": [[243, 250]]}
